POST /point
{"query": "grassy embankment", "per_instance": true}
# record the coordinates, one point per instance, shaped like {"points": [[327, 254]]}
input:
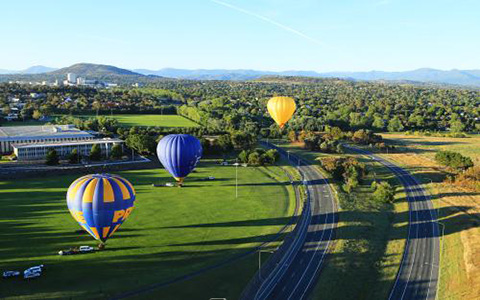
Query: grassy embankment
{"points": [[171, 232], [459, 209]]}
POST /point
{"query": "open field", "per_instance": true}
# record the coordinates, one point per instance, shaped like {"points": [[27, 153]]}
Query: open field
{"points": [[154, 120], [128, 120], [172, 232], [459, 209], [370, 239]]}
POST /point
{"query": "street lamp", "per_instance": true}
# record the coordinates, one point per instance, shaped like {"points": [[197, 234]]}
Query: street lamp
{"points": [[260, 261], [288, 155], [236, 179]]}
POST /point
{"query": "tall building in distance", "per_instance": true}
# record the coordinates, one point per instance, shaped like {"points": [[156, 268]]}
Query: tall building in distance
{"points": [[72, 78]]}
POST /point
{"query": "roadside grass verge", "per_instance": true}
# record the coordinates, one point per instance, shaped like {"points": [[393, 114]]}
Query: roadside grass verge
{"points": [[370, 238]]}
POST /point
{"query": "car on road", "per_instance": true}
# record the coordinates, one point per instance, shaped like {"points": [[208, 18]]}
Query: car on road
{"points": [[9, 274], [210, 178], [66, 252], [169, 184]]}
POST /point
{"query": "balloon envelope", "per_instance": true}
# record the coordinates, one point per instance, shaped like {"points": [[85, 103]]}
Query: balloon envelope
{"points": [[100, 203], [281, 109], [179, 154]]}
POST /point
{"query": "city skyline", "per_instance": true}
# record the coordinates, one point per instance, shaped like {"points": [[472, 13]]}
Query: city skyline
{"points": [[265, 35]]}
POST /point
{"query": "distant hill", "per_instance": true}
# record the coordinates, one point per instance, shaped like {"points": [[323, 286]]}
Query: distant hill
{"points": [[31, 70], [37, 70], [104, 73], [94, 71], [456, 77]]}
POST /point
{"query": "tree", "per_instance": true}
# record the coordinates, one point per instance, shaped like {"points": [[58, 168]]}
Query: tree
{"points": [[378, 123], [395, 125], [453, 160], [142, 143], [37, 114], [74, 158], [96, 152], [254, 159], [52, 158], [384, 192], [117, 151]]}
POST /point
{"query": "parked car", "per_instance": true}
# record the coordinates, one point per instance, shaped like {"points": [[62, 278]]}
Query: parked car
{"points": [[210, 178], [66, 252], [9, 274], [38, 268], [85, 249], [224, 163], [169, 184], [31, 274]]}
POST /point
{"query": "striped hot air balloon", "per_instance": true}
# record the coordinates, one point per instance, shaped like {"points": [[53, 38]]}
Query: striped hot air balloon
{"points": [[100, 203]]}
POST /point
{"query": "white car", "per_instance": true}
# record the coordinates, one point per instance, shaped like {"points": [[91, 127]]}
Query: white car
{"points": [[30, 275], [210, 178], [168, 184], [85, 249], [38, 268], [8, 274]]}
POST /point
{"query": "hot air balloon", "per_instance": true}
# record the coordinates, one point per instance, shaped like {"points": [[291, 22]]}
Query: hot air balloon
{"points": [[281, 109], [179, 154], [100, 203]]}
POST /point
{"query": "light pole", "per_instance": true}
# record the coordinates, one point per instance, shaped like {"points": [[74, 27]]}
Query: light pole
{"points": [[236, 179], [288, 155], [260, 261]]}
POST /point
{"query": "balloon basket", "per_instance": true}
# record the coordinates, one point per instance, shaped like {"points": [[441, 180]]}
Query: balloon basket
{"points": [[101, 246]]}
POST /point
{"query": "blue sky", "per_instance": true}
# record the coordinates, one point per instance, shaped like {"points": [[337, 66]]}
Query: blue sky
{"points": [[321, 35]]}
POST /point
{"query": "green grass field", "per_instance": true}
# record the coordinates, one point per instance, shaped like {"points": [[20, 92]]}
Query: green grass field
{"points": [[154, 120], [172, 232], [128, 120]]}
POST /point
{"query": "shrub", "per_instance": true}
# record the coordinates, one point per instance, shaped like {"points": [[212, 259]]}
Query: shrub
{"points": [[74, 158], [384, 192], [96, 152], [117, 151], [52, 158], [453, 160]]}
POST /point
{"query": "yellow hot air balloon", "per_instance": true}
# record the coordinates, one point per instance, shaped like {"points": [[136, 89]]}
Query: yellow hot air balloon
{"points": [[281, 109]]}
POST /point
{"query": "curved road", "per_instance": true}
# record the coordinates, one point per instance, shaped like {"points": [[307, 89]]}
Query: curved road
{"points": [[295, 277], [417, 277]]}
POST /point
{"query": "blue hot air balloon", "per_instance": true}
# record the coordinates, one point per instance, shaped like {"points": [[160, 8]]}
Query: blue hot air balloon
{"points": [[179, 154], [100, 203]]}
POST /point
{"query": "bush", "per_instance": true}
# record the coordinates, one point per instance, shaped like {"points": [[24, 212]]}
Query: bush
{"points": [[117, 151], [384, 192], [96, 152], [74, 158], [52, 158], [453, 160]]}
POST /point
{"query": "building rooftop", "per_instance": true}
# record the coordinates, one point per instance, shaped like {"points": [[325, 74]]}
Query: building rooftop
{"points": [[41, 131], [69, 143]]}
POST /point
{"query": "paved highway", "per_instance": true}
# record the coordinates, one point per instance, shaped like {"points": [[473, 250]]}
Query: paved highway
{"points": [[418, 274], [295, 277]]}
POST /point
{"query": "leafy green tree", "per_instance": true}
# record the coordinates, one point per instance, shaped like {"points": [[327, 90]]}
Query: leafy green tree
{"points": [[395, 125], [95, 152], [384, 192], [254, 159], [117, 151], [74, 158], [37, 114], [52, 158]]}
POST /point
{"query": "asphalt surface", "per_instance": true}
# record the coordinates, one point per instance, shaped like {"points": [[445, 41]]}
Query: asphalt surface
{"points": [[300, 273], [418, 274]]}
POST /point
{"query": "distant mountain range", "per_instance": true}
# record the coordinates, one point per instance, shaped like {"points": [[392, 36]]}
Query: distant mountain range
{"points": [[31, 70], [457, 77], [106, 72]]}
